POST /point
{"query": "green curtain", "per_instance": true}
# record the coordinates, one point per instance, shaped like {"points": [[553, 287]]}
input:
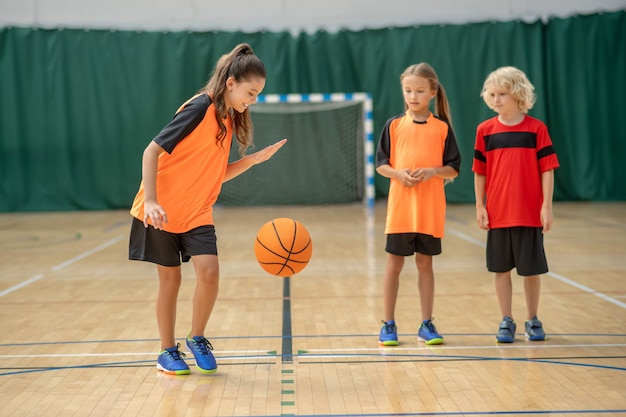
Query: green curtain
{"points": [[77, 107], [586, 90]]}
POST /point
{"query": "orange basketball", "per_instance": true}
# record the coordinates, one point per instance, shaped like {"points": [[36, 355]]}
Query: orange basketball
{"points": [[283, 247]]}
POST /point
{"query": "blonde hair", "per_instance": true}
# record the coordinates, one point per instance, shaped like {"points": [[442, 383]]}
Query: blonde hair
{"points": [[442, 108], [515, 82], [242, 65]]}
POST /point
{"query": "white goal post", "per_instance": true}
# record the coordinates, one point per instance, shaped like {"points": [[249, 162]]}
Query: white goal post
{"points": [[368, 140]]}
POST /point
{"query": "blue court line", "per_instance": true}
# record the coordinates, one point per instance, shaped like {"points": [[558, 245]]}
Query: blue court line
{"points": [[287, 349], [61, 368], [381, 356], [149, 363], [317, 336], [461, 413], [459, 357]]}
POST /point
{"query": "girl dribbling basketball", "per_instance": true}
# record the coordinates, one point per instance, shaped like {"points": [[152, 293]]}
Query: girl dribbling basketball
{"points": [[183, 169]]}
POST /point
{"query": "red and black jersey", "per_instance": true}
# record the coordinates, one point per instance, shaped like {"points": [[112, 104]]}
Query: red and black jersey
{"points": [[512, 158], [191, 171]]}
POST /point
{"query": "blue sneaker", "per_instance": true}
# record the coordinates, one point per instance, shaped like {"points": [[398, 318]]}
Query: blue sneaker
{"points": [[171, 361], [388, 334], [427, 333], [201, 349], [506, 332], [534, 330]]}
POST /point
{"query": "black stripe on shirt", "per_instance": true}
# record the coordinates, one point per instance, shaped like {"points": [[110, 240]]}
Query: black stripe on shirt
{"points": [[510, 140], [547, 151], [478, 155]]}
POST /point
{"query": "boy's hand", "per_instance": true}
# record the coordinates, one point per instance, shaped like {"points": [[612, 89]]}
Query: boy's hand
{"points": [[546, 218], [482, 218]]}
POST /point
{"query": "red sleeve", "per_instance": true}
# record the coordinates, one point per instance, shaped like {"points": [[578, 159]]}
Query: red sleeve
{"points": [[479, 163], [546, 155]]}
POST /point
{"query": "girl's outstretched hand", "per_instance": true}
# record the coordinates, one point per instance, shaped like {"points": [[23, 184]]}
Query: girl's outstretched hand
{"points": [[267, 152]]}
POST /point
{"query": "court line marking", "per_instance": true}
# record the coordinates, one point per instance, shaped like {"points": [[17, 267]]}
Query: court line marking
{"points": [[287, 349], [553, 336], [238, 353], [309, 353], [455, 358], [586, 289], [458, 413], [306, 361], [87, 253], [21, 284], [62, 265], [556, 276], [433, 348]]}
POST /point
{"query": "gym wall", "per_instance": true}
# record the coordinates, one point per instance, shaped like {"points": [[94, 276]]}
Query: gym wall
{"points": [[78, 106]]}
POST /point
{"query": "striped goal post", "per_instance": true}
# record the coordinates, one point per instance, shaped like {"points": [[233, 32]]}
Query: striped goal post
{"points": [[368, 139]]}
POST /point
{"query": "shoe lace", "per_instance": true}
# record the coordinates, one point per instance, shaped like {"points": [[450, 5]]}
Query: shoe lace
{"points": [[203, 344], [389, 328], [176, 354], [429, 325], [534, 323], [507, 324]]}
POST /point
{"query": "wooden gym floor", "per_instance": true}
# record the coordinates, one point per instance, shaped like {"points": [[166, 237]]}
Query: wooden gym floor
{"points": [[78, 333]]}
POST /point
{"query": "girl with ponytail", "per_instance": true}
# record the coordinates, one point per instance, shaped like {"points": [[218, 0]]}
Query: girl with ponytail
{"points": [[183, 169]]}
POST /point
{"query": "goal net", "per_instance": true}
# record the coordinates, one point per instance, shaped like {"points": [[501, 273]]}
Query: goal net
{"points": [[328, 157]]}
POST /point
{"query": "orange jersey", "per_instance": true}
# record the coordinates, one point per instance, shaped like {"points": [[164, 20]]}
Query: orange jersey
{"points": [[408, 144], [191, 171]]}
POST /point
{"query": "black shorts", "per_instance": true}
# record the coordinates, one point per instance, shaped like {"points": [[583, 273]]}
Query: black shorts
{"points": [[516, 247], [168, 249], [407, 244]]}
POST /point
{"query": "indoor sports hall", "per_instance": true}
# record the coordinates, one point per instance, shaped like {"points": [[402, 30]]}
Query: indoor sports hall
{"points": [[84, 87]]}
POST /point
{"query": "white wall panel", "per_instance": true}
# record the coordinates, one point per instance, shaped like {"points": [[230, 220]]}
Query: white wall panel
{"points": [[280, 15]]}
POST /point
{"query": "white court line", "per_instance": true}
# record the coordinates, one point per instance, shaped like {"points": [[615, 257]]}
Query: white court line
{"points": [[587, 289], [468, 238], [314, 353], [253, 353], [552, 274], [434, 349], [78, 355], [86, 254], [20, 285], [61, 265]]}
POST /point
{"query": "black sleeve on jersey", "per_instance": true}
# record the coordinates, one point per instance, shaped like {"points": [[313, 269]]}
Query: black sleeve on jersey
{"points": [[451, 154], [183, 123], [384, 146]]}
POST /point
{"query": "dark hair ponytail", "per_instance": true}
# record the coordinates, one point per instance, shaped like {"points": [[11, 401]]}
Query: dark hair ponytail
{"points": [[242, 65]]}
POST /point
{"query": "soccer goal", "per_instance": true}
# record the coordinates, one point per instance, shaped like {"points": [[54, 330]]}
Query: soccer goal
{"points": [[328, 158]]}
